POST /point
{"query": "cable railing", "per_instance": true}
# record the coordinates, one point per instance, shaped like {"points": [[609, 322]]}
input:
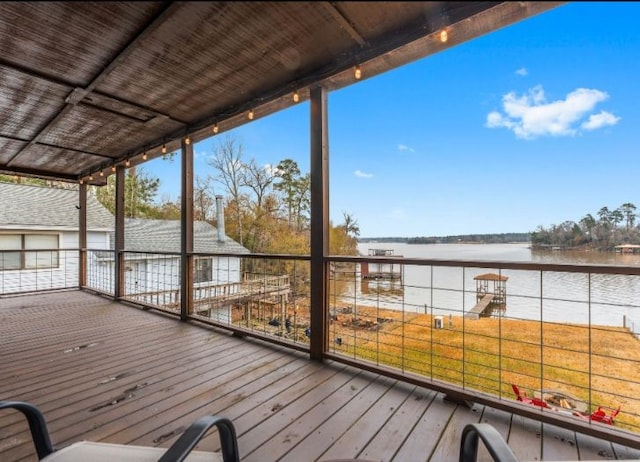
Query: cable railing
{"points": [[262, 296], [558, 338], [100, 271], [562, 334], [33, 270]]}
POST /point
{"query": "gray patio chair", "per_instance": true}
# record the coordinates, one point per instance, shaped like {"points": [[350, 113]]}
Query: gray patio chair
{"points": [[181, 450], [493, 441]]}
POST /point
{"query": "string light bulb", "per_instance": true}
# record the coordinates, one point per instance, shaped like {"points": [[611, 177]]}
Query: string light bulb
{"points": [[81, 181], [144, 155], [101, 173], [358, 73], [296, 96], [127, 163], [215, 129], [444, 36], [90, 177], [113, 168], [251, 115], [164, 149], [187, 141]]}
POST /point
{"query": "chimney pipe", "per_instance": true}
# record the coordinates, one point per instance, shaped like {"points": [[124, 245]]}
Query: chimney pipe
{"points": [[220, 219]]}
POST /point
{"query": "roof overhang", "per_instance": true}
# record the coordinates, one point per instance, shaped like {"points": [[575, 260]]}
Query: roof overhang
{"points": [[87, 86]]}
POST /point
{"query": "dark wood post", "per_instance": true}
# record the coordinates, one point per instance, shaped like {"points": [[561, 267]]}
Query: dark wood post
{"points": [[319, 221], [186, 235], [82, 235], [119, 267]]}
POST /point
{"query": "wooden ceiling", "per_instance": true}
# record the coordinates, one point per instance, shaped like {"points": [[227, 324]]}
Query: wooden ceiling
{"points": [[87, 85]]}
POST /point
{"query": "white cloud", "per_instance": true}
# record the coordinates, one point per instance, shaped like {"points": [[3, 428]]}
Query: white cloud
{"points": [[600, 120], [522, 71], [271, 169], [362, 174], [530, 115], [404, 147]]}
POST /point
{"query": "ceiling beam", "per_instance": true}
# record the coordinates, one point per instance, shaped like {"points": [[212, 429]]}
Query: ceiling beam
{"points": [[32, 172], [78, 94]]}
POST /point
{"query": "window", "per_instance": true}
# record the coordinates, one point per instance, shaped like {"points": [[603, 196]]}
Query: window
{"points": [[203, 270], [10, 260], [26, 251]]}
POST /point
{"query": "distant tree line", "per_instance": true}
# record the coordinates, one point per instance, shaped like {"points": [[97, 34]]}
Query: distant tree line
{"points": [[503, 238], [601, 232]]}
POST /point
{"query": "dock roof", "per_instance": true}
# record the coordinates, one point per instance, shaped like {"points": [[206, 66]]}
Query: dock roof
{"points": [[490, 277]]}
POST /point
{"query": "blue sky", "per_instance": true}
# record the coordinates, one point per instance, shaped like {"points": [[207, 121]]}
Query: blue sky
{"points": [[531, 125]]}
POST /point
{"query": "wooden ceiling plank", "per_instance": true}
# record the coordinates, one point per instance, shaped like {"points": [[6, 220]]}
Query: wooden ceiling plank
{"points": [[78, 94], [344, 22]]}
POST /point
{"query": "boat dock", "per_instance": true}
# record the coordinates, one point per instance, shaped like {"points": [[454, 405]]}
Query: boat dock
{"points": [[491, 295], [387, 270], [478, 311]]}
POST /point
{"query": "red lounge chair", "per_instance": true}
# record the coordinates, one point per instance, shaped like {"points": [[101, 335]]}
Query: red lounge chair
{"points": [[522, 396], [599, 415]]}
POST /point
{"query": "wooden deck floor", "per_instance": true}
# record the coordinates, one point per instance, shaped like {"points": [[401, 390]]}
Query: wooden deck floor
{"points": [[105, 371]]}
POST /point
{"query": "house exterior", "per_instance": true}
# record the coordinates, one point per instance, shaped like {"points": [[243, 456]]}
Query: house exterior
{"points": [[39, 236], [152, 264], [39, 250]]}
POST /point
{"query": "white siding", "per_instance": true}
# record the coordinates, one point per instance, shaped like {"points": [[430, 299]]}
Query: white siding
{"points": [[63, 276]]}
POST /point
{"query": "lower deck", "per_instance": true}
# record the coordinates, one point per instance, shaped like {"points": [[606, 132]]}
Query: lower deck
{"points": [[105, 371]]}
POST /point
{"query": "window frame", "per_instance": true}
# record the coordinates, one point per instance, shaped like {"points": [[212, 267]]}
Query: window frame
{"points": [[203, 266], [42, 259]]}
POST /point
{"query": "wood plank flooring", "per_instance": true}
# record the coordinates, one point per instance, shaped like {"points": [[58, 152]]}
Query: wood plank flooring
{"points": [[104, 371]]}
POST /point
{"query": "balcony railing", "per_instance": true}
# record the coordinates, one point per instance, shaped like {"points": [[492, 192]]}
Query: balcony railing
{"points": [[23, 271], [545, 328], [486, 326]]}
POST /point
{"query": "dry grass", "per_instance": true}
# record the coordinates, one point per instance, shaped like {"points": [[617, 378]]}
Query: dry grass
{"points": [[599, 365]]}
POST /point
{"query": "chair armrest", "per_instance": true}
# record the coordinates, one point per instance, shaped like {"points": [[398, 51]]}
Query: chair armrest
{"points": [[192, 435], [492, 440], [37, 426]]}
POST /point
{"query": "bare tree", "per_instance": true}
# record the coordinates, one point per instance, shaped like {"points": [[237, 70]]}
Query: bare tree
{"points": [[259, 180], [204, 199], [228, 161], [350, 225]]}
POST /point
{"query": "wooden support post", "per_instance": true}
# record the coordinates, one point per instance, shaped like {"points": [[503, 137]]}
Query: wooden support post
{"points": [[319, 222], [186, 235], [82, 235], [119, 266]]}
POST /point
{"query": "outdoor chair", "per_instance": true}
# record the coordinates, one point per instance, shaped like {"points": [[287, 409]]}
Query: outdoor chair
{"points": [[522, 396], [493, 441], [600, 415], [181, 450]]}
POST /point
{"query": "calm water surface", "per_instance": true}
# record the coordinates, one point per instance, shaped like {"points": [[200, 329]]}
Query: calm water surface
{"points": [[550, 296]]}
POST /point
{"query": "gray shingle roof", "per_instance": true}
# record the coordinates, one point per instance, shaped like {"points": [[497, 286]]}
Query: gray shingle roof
{"points": [[27, 205], [143, 235], [42, 207]]}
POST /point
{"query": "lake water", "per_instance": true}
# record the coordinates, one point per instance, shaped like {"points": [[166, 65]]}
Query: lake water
{"points": [[601, 299]]}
